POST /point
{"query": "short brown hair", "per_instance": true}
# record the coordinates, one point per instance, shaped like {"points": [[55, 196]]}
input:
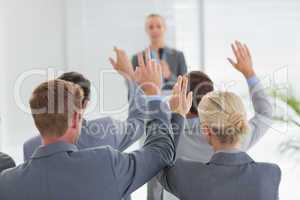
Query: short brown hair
{"points": [[200, 84], [52, 105]]}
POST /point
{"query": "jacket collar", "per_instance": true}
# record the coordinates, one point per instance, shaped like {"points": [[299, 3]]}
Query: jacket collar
{"points": [[168, 50], [231, 158], [48, 150]]}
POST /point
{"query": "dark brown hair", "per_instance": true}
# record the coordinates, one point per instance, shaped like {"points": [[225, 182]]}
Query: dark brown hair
{"points": [[79, 79], [200, 84]]}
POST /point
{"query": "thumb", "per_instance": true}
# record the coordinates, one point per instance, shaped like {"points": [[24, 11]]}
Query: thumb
{"points": [[231, 61], [189, 99]]}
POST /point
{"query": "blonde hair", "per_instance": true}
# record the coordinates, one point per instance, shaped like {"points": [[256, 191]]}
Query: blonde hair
{"points": [[225, 114]]}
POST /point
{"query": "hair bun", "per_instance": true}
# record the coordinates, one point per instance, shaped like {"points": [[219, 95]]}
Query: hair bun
{"points": [[238, 122]]}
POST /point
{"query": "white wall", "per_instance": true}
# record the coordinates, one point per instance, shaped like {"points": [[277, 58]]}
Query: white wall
{"points": [[32, 37], [271, 29], [94, 28]]}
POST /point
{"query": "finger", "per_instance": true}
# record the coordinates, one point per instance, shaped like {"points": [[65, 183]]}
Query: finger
{"points": [[243, 50], [117, 50], [234, 49], [231, 61], [151, 65], [189, 100], [137, 74], [112, 62], [175, 90], [178, 85], [141, 60], [184, 86], [240, 49], [247, 50], [148, 54], [159, 68]]}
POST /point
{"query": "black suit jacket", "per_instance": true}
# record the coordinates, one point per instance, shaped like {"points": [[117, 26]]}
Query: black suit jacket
{"points": [[176, 62]]}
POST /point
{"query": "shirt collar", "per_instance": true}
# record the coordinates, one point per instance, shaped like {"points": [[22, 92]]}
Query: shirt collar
{"points": [[48, 150], [230, 158]]}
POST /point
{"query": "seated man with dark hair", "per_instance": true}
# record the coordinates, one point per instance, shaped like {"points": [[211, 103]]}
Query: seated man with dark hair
{"points": [[6, 162]]}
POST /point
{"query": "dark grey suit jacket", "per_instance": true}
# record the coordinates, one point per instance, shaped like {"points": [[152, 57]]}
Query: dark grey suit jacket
{"points": [[176, 62], [106, 130], [6, 162], [61, 171], [227, 176]]}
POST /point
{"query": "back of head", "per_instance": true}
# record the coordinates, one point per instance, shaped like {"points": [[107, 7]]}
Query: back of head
{"points": [[80, 80], [225, 114], [200, 84], [53, 104]]}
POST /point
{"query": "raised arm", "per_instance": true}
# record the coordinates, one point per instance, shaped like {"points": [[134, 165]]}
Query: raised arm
{"points": [[262, 119], [132, 170], [180, 104], [129, 131]]}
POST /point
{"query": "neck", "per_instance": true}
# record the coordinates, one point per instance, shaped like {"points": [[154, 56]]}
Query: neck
{"points": [[52, 139], [155, 45], [225, 147]]}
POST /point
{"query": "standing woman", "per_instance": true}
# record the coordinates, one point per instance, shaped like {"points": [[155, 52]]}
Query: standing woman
{"points": [[172, 60]]}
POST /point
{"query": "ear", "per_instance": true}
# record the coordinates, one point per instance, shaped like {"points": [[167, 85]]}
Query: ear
{"points": [[207, 133], [206, 130], [85, 103], [75, 120]]}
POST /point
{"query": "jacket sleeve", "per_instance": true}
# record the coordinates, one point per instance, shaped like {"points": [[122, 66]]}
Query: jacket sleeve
{"points": [[262, 119], [178, 123], [132, 170], [129, 131], [6, 162], [170, 178], [116, 133], [155, 189]]}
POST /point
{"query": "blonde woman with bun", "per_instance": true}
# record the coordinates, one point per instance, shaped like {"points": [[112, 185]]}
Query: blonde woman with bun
{"points": [[223, 119], [230, 174]]}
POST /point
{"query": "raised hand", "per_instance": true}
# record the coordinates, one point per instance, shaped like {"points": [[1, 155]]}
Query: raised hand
{"points": [[165, 70], [122, 63], [181, 102], [243, 59], [148, 74]]}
